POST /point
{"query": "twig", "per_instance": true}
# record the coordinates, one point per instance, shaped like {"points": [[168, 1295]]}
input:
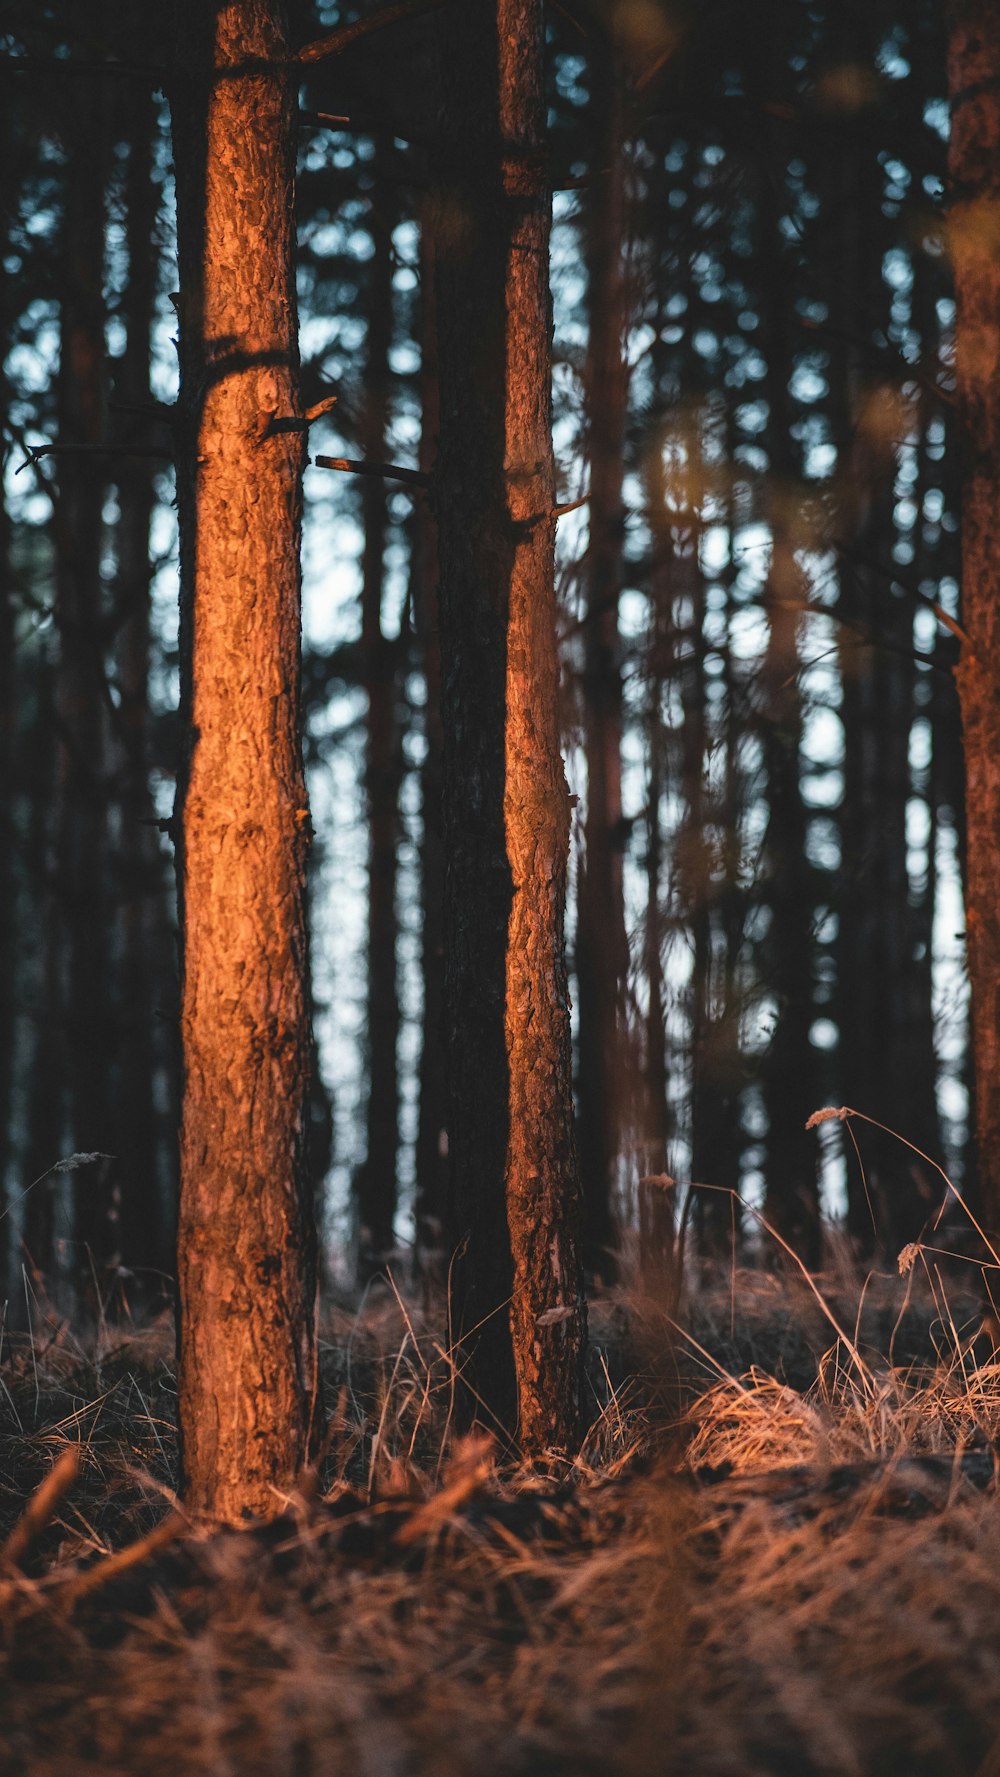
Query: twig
{"points": [[41, 1507], [325, 120], [571, 505], [37, 451], [391, 471], [332, 45], [173, 1526], [850, 552]]}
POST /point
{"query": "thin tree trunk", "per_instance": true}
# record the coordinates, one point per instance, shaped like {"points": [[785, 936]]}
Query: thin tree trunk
{"points": [[81, 694], [141, 874], [656, 1202], [376, 1183], [8, 754], [506, 800], [788, 1073], [432, 1122], [974, 165], [246, 1258], [46, 1109], [602, 954]]}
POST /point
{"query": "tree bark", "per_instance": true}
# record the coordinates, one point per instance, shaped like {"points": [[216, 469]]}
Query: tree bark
{"points": [[974, 165], [506, 801], [246, 1258]]}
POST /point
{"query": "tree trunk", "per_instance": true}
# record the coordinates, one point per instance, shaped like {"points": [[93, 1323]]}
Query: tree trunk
{"points": [[246, 1258], [432, 1123], [376, 1183], [46, 1094], [140, 882], [791, 1196], [81, 691], [602, 954], [974, 165], [506, 801], [656, 1202]]}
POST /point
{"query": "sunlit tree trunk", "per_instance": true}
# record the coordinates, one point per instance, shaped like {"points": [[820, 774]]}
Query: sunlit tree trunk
{"points": [[602, 957], [246, 1241], [376, 1183], [506, 800], [974, 164]]}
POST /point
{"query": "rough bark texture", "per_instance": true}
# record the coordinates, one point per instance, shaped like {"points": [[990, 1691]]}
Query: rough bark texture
{"points": [[602, 956], [506, 802], [974, 163], [376, 1183], [246, 1242]]}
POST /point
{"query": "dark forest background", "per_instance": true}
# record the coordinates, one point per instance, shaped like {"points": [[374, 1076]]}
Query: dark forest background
{"points": [[753, 331]]}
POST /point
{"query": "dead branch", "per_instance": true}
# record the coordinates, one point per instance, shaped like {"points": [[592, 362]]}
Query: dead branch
{"points": [[41, 1507], [341, 39]]}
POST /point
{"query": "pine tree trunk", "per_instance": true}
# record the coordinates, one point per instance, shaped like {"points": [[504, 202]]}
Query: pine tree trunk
{"points": [[8, 796], [141, 886], [46, 1092], [376, 1184], [246, 1242], [974, 165], [506, 801], [602, 956], [791, 1186], [82, 736], [432, 1122]]}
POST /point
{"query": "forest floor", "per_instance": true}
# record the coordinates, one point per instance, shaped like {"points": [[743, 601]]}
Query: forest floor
{"points": [[778, 1552]]}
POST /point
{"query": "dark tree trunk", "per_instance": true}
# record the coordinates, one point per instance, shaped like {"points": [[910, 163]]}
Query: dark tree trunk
{"points": [[506, 801], [376, 1183], [81, 692], [432, 1125], [602, 956], [788, 1073], [656, 1201], [140, 883], [246, 1256], [974, 165], [8, 753], [46, 1096]]}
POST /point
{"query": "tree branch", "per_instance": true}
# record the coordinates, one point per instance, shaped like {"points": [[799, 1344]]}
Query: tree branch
{"points": [[391, 471], [571, 505], [37, 451], [341, 39]]}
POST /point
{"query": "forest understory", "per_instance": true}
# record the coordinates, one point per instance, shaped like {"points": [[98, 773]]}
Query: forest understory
{"points": [[779, 1551]]}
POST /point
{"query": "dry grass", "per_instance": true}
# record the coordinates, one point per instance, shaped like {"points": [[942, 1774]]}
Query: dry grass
{"points": [[779, 1552]]}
